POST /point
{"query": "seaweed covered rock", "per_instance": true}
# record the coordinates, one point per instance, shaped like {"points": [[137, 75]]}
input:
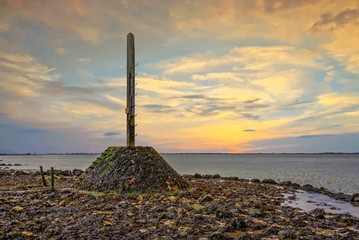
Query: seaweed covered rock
{"points": [[126, 169]]}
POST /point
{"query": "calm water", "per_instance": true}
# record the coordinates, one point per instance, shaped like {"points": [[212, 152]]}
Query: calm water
{"points": [[334, 172]]}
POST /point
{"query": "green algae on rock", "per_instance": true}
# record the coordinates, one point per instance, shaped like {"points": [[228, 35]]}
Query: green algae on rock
{"points": [[126, 169]]}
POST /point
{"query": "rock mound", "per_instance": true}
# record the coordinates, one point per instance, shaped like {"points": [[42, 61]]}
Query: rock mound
{"points": [[126, 169]]}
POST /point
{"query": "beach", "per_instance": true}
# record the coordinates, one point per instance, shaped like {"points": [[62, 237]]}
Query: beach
{"points": [[212, 207]]}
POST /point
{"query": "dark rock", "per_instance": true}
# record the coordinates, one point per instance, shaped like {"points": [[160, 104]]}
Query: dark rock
{"points": [[254, 212], [318, 213], [207, 176], [77, 172], [287, 235], [224, 213], [285, 183], [232, 178], [216, 176], [295, 185], [255, 180], [20, 172], [197, 208], [187, 175], [237, 224], [355, 198], [341, 196], [269, 181], [197, 175], [308, 187], [219, 236], [56, 172], [66, 173], [127, 169], [4, 164], [5, 173], [244, 180], [17, 164], [206, 198]]}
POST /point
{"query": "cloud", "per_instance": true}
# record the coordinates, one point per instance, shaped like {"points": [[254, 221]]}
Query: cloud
{"points": [[4, 27], [249, 130], [341, 18], [314, 136], [210, 71], [83, 60], [61, 51], [110, 134], [275, 5], [157, 108], [32, 89]]}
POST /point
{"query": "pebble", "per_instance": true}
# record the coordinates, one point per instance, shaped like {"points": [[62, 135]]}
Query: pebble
{"points": [[208, 209]]}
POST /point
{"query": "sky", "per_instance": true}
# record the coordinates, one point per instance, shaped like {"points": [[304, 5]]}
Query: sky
{"points": [[212, 76]]}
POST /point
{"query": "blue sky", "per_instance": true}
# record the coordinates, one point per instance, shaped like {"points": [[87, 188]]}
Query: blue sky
{"points": [[213, 76]]}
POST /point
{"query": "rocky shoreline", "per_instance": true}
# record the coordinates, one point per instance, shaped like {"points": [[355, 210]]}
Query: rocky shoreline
{"points": [[213, 207]]}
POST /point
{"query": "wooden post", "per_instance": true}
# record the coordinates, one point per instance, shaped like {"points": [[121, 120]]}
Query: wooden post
{"points": [[42, 176], [130, 110], [52, 180]]}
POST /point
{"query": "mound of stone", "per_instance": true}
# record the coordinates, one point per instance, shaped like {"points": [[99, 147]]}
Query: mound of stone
{"points": [[127, 169]]}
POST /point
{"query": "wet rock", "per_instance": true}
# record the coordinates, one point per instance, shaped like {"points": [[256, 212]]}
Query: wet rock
{"points": [[18, 209], [70, 213], [355, 198], [197, 208], [187, 176], [254, 212], [237, 224], [318, 213], [4, 164], [206, 198], [219, 236], [264, 206], [77, 172], [17, 164], [224, 212], [66, 173], [269, 181], [308, 187], [244, 180], [341, 196], [288, 235], [255, 180], [207, 176], [216, 176], [285, 183], [197, 175], [20, 172], [232, 178], [27, 234]]}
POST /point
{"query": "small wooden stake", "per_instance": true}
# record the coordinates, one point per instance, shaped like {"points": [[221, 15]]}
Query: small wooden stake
{"points": [[42, 176], [52, 180]]}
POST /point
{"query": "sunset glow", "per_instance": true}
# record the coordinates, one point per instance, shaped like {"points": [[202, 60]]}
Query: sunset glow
{"points": [[213, 76]]}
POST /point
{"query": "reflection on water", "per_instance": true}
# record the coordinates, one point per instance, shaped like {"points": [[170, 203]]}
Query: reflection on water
{"points": [[309, 201]]}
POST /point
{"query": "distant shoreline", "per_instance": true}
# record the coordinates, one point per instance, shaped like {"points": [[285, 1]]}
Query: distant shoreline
{"points": [[254, 154]]}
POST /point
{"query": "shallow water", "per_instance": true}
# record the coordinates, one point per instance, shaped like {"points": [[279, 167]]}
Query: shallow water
{"points": [[338, 173], [309, 201]]}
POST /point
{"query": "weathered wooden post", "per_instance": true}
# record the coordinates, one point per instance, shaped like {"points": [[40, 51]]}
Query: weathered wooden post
{"points": [[130, 110], [52, 179], [43, 176]]}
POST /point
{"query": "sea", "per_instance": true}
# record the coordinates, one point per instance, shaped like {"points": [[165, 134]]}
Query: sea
{"points": [[335, 172]]}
